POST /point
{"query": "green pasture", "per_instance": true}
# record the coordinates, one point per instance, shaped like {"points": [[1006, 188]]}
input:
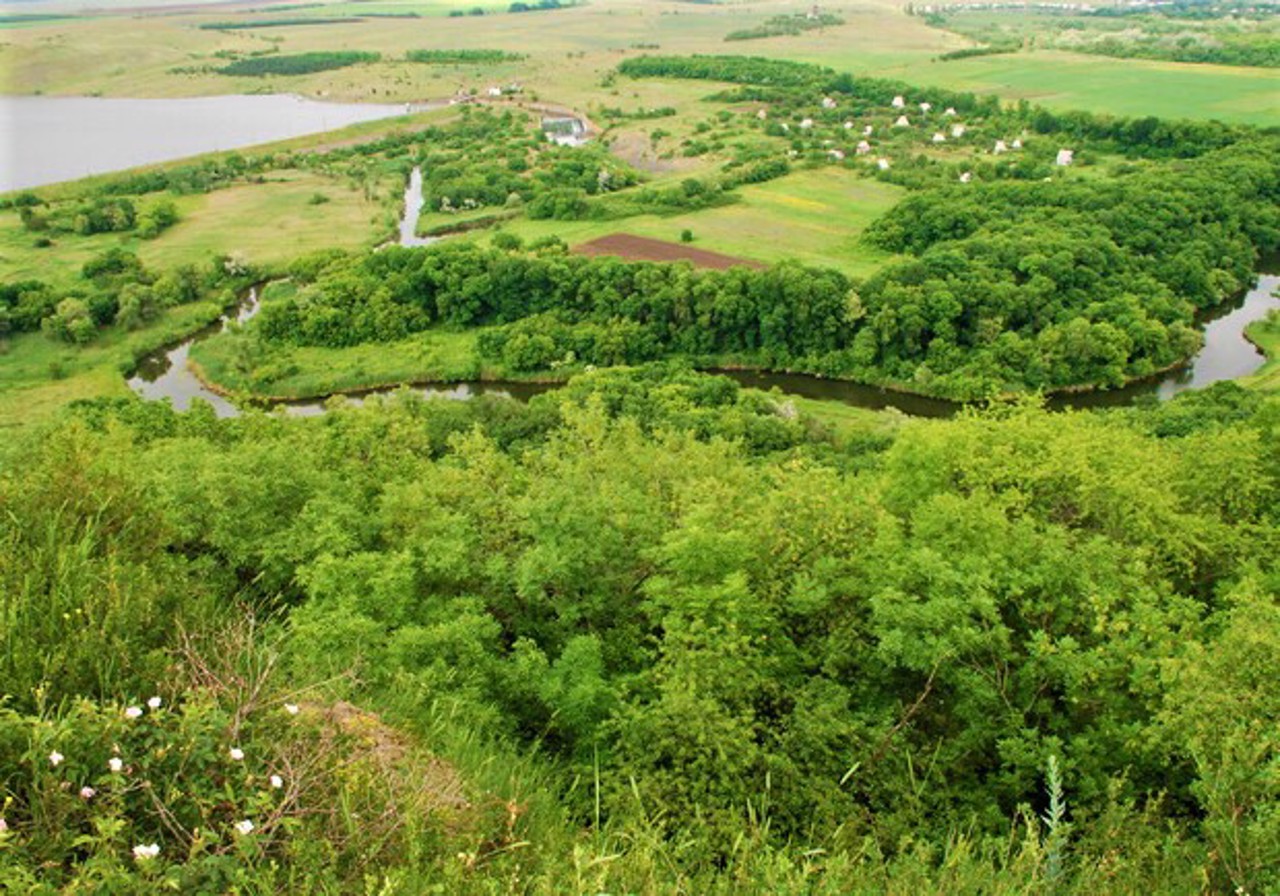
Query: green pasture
{"points": [[1266, 335], [39, 374], [1132, 87], [814, 216], [267, 224], [284, 372]]}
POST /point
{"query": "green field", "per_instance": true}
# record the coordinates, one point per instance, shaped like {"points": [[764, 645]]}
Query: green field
{"points": [[306, 372], [815, 217], [266, 224], [38, 374], [1266, 335], [1118, 86], [569, 51]]}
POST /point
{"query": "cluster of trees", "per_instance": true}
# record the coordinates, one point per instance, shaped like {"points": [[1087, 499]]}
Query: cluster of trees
{"points": [[496, 159], [461, 57], [114, 288], [275, 23], [298, 63], [1255, 52], [786, 26], [1067, 282], [658, 635], [99, 214], [540, 5], [988, 50], [788, 311]]}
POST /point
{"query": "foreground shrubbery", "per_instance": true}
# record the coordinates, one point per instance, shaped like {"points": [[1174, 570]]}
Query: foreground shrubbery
{"points": [[666, 634]]}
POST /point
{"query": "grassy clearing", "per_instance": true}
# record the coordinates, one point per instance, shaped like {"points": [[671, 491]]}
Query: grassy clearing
{"points": [[38, 374], [267, 223], [1266, 335], [815, 217], [293, 372]]}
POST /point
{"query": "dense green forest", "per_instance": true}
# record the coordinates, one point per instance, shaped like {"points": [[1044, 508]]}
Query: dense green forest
{"points": [[649, 633]]}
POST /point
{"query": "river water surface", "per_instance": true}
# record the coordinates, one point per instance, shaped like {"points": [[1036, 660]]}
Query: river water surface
{"points": [[44, 140]]}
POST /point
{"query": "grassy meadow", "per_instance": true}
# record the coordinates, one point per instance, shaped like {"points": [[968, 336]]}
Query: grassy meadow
{"points": [[814, 216], [38, 374], [267, 224], [1266, 335]]}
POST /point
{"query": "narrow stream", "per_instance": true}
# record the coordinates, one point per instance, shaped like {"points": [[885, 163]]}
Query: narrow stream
{"points": [[413, 202]]}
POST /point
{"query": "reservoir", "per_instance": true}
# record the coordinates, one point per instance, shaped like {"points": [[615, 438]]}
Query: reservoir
{"points": [[44, 140]]}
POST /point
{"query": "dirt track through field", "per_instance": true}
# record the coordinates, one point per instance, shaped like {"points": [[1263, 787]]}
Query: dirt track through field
{"points": [[639, 248]]}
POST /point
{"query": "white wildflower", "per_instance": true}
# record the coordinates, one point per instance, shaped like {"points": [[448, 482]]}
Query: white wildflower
{"points": [[245, 827], [155, 702], [55, 758], [277, 782], [116, 764], [87, 793], [291, 708], [236, 753], [149, 851], [133, 712]]}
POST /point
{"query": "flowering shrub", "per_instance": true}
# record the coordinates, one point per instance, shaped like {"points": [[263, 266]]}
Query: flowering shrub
{"points": [[222, 785]]}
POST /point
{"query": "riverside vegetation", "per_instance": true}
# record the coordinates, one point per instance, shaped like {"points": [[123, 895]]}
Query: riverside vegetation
{"points": [[650, 632]]}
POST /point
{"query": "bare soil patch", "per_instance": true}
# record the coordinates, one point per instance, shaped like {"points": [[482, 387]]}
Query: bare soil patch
{"points": [[639, 248]]}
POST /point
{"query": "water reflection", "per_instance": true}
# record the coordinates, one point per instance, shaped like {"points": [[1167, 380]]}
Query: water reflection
{"points": [[44, 140]]}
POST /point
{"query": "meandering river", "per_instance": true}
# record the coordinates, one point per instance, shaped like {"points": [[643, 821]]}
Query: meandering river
{"points": [[44, 140], [1226, 355]]}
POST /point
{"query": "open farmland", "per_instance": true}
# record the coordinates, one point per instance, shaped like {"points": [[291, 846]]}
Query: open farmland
{"points": [[815, 217], [639, 248], [570, 50]]}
